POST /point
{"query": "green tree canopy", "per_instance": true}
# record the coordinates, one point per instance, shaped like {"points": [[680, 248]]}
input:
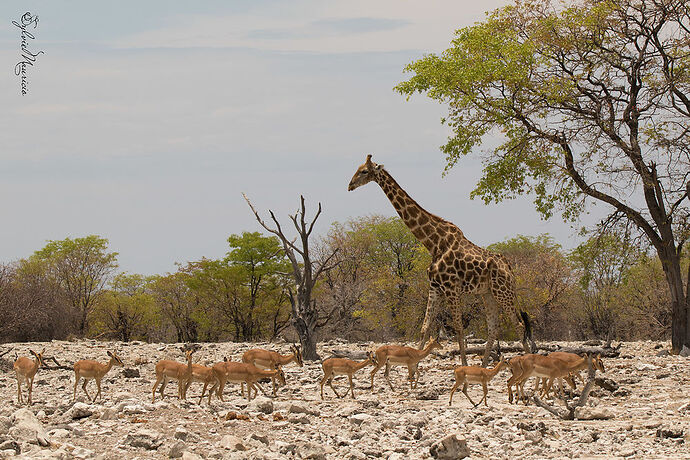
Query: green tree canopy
{"points": [[82, 266], [592, 102]]}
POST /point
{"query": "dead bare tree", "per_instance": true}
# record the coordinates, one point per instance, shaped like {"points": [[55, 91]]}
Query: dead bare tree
{"points": [[305, 273]]}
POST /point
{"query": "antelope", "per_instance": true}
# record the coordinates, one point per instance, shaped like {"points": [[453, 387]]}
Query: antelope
{"points": [[475, 374], [167, 369], [549, 367], [344, 366], [229, 371], [572, 357], [201, 374], [395, 355], [89, 369], [26, 369], [270, 360]]}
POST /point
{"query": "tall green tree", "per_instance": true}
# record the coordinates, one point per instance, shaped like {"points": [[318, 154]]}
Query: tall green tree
{"points": [[82, 267], [592, 100], [127, 309]]}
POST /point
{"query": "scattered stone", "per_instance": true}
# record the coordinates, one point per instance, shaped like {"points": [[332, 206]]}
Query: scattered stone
{"points": [[130, 373], [231, 442], [26, 427], [187, 455], [80, 410], [148, 439], [428, 394], [358, 419], [311, 451], [5, 425], [593, 413], [299, 419], [181, 433], [606, 383], [449, 448], [177, 449], [661, 354], [299, 409], [262, 404], [684, 352], [10, 445], [258, 437], [669, 432]]}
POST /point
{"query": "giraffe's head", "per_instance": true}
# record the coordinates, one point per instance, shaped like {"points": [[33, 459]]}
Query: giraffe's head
{"points": [[364, 174]]}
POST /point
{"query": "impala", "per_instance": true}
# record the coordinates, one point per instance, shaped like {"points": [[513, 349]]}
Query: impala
{"points": [[475, 374], [88, 369], [201, 374], [229, 371], [271, 360], [26, 369], [343, 366], [395, 355], [572, 357], [167, 369], [548, 367]]}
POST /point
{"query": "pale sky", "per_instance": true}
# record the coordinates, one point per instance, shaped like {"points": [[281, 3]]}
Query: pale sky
{"points": [[145, 121]]}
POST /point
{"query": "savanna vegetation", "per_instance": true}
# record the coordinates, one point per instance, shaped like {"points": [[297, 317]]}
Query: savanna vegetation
{"points": [[591, 99], [607, 287]]}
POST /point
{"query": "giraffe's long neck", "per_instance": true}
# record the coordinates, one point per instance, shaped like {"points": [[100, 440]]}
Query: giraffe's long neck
{"points": [[421, 222]]}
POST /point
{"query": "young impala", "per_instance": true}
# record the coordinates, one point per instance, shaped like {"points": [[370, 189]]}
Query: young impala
{"points": [[88, 369], [270, 360], [475, 374], [343, 366], [201, 374], [26, 369], [167, 369], [395, 355], [229, 371]]}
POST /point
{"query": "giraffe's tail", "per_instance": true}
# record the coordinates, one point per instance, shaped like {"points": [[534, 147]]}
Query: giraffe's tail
{"points": [[528, 326]]}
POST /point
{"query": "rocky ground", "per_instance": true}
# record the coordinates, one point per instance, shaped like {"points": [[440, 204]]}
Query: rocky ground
{"points": [[650, 414]]}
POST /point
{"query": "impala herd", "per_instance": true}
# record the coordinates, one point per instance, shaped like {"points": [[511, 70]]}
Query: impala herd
{"points": [[260, 364]]}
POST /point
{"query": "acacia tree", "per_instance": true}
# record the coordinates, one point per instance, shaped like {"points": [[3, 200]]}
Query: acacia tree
{"points": [[593, 102], [305, 272], [81, 266]]}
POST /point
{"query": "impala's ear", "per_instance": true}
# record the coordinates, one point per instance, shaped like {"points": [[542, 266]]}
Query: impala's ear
{"points": [[110, 354], [43, 351]]}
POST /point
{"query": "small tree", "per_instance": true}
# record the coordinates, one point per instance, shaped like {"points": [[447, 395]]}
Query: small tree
{"points": [[82, 267], [305, 272]]}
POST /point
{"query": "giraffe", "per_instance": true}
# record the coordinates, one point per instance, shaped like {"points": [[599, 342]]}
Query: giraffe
{"points": [[459, 268]]}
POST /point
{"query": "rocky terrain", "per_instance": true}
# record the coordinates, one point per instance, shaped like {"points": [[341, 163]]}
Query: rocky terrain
{"points": [[644, 406]]}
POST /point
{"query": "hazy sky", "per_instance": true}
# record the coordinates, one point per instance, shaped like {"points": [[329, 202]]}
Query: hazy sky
{"points": [[145, 121]]}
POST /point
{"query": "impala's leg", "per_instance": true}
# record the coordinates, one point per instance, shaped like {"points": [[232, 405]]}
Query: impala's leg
{"points": [[31, 390], [275, 387], [387, 374], [83, 386], [376, 369], [219, 391], [452, 390], [486, 392], [76, 382], [352, 386], [20, 400], [203, 392], [162, 389], [435, 296], [330, 384], [323, 380], [98, 385], [153, 393], [464, 390]]}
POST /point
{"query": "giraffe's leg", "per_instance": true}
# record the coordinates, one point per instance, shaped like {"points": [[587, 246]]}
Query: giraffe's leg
{"points": [[430, 316], [455, 304], [491, 310]]}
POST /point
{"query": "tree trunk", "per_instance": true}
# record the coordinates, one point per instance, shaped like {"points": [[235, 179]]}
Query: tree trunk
{"points": [[680, 328], [304, 320]]}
